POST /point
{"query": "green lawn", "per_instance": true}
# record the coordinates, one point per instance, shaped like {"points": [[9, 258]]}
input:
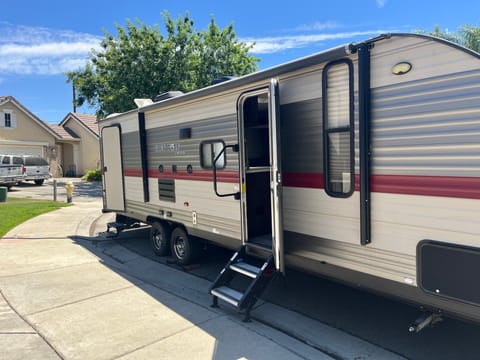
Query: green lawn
{"points": [[16, 210]]}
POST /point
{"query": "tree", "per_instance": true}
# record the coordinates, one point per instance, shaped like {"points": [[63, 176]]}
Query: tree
{"points": [[437, 32], [218, 55], [140, 62], [467, 36], [470, 37]]}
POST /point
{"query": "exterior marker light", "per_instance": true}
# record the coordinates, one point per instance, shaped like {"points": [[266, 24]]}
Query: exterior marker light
{"points": [[401, 68]]}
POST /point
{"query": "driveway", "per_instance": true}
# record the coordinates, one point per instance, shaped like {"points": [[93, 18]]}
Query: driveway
{"points": [[368, 319], [84, 191]]}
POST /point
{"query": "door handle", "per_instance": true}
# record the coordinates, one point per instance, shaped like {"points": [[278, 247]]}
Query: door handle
{"points": [[235, 195]]}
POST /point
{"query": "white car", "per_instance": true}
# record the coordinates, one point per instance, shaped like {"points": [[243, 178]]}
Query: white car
{"points": [[11, 170], [36, 169]]}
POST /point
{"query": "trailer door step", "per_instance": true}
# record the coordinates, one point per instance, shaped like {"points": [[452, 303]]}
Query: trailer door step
{"points": [[255, 281], [246, 269], [228, 295]]}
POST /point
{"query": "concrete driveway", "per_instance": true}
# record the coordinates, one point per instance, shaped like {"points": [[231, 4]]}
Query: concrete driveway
{"points": [[84, 191], [32, 253], [65, 294], [68, 292]]}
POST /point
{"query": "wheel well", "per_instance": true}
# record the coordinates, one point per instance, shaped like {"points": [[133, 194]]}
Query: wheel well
{"points": [[173, 225], [151, 219]]}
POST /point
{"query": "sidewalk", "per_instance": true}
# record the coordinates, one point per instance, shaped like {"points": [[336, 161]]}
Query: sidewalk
{"points": [[68, 294]]}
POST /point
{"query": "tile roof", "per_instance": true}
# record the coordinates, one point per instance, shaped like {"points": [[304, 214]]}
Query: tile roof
{"points": [[89, 121], [64, 132]]}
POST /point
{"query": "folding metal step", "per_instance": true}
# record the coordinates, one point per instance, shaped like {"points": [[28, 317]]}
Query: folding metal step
{"points": [[228, 295], [246, 269], [238, 266]]}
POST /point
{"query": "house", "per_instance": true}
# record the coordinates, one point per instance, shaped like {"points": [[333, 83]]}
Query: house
{"points": [[71, 147], [84, 154]]}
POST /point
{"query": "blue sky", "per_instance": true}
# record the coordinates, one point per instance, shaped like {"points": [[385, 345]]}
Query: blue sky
{"points": [[40, 40]]}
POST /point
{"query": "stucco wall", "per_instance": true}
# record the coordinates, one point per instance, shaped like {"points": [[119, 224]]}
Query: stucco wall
{"points": [[26, 129], [89, 148]]}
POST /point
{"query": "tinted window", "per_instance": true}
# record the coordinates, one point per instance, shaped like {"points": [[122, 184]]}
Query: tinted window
{"points": [[6, 160], [35, 161], [17, 160]]}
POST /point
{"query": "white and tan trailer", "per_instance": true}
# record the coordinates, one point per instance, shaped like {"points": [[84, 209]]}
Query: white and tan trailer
{"points": [[360, 163]]}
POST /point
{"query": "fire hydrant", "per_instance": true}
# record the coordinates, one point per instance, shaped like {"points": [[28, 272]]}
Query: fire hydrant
{"points": [[69, 187]]}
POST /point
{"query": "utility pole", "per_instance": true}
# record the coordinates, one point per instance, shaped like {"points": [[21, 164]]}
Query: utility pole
{"points": [[74, 97]]}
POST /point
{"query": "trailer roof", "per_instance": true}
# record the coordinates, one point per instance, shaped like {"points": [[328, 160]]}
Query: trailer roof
{"points": [[323, 56]]}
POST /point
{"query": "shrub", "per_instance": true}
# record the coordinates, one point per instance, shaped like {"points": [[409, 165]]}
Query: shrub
{"points": [[93, 175]]}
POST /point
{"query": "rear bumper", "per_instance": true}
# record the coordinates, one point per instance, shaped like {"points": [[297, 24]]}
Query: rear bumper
{"points": [[36, 177], [10, 180]]}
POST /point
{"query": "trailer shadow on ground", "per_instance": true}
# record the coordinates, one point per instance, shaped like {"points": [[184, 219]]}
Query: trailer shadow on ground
{"points": [[375, 319]]}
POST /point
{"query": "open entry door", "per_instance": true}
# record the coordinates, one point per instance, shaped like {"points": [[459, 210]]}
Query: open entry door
{"points": [[113, 188], [259, 147]]}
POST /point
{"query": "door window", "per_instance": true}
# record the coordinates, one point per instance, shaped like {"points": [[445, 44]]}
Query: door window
{"points": [[209, 150], [338, 128]]}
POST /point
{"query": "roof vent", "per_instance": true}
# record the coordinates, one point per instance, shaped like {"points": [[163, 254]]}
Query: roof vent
{"points": [[222, 79], [167, 95], [142, 102]]}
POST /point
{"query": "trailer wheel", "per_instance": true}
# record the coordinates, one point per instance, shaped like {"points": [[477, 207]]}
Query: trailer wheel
{"points": [[160, 238], [184, 248]]}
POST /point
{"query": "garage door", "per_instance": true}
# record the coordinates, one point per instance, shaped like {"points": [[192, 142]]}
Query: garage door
{"points": [[11, 149]]}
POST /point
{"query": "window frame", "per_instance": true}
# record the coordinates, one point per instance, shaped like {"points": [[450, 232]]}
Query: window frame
{"points": [[339, 129], [212, 154], [17, 160], [7, 119]]}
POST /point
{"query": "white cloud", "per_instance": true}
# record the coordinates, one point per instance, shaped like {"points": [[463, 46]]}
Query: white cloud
{"points": [[53, 49], [42, 51], [268, 45], [318, 26], [380, 3]]}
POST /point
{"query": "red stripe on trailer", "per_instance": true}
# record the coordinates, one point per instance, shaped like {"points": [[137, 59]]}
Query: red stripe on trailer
{"points": [[444, 186], [132, 172], [304, 180], [197, 175]]}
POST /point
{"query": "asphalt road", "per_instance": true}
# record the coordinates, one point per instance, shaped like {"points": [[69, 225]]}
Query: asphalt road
{"points": [[370, 317]]}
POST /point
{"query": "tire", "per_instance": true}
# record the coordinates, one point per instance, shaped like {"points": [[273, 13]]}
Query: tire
{"points": [[185, 249], [39, 182], [160, 238]]}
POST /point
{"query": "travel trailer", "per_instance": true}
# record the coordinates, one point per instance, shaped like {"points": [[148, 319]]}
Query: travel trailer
{"points": [[360, 164]]}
